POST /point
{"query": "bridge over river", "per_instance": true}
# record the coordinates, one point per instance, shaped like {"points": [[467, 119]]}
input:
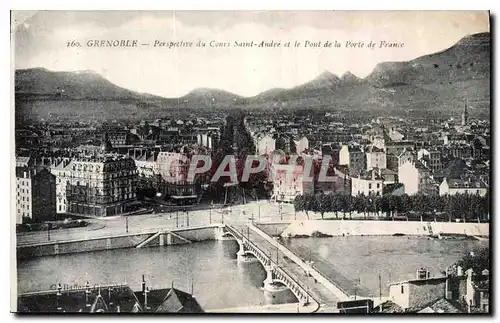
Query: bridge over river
{"points": [[311, 288]]}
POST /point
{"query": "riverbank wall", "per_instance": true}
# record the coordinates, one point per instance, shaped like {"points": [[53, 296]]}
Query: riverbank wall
{"points": [[350, 227], [133, 240]]}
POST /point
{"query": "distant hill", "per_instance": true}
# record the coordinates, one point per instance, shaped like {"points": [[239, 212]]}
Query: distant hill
{"points": [[441, 81], [206, 96], [434, 82], [72, 85]]}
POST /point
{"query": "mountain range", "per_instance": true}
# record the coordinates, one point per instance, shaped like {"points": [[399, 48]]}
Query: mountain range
{"points": [[442, 80]]}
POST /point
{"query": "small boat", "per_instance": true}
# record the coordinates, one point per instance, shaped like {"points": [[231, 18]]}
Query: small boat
{"points": [[449, 236]]}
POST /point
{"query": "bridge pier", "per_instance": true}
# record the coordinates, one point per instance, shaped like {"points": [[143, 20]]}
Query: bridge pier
{"points": [[268, 282], [240, 255]]}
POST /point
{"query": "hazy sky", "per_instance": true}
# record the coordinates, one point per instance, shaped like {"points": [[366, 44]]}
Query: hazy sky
{"points": [[41, 38]]}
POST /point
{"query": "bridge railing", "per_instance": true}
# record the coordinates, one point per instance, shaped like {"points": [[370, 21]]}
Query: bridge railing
{"points": [[267, 259]]}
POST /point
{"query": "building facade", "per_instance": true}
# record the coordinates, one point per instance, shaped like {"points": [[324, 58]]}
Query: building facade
{"points": [[461, 186], [288, 182], [417, 293], [266, 145], [416, 178], [367, 184], [102, 185], [430, 158], [63, 174], [35, 194], [375, 158], [353, 157], [301, 145]]}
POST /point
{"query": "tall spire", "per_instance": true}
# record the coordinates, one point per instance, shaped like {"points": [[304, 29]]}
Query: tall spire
{"points": [[465, 114]]}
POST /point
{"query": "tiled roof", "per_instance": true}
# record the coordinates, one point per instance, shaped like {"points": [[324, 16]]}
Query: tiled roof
{"points": [[170, 300], [74, 301], [441, 305], [461, 183]]}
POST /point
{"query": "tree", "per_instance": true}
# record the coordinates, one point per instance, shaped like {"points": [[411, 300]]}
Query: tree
{"points": [[343, 203], [477, 260], [360, 204], [321, 203], [349, 201], [301, 204], [406, 204]]}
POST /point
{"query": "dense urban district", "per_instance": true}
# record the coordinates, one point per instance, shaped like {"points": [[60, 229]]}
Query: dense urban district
{"points": [[74, 171]]}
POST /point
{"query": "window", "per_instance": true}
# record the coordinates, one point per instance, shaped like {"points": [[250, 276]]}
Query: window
{"points": [[378, 185], [402, 289], [369, 185]]}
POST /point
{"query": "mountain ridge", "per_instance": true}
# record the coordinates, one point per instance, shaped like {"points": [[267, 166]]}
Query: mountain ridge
{"points": [[436, 79]]}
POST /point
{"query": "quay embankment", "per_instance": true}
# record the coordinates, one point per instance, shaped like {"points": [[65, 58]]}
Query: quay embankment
{"points": [[132, 240], [301, 228]]}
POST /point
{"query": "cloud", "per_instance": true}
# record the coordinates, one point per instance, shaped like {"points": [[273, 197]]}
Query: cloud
{"points": [[41, 42]]}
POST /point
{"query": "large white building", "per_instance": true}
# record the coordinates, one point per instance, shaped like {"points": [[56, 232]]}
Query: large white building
{"points": [[461, 186], [369, 183], [416, 178], [63, 175], [375, 158], [101, 185]]}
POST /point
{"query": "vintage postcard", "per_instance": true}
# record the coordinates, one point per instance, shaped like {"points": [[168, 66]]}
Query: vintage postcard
{"points": [[251, 162]]}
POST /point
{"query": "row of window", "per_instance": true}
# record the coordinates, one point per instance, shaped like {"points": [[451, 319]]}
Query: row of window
{"points": [[23, 206]]}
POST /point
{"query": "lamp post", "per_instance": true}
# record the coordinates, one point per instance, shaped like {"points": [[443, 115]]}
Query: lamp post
{"points": [[48, 231], [210, 210], [126, 223], [187, 217], [281, 211], [176, 218]]}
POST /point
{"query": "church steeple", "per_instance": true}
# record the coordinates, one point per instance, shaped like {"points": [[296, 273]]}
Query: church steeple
{"points": [[465, 114]]}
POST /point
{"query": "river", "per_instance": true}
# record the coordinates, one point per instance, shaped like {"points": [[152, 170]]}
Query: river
{"points": [[355, 262], [220, 281]]}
